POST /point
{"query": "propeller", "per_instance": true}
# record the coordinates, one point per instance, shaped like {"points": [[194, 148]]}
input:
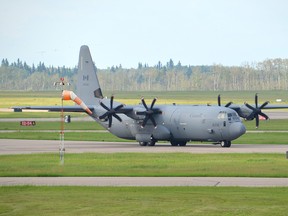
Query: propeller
{"points": [[219, 102], [256, 111], [149, 112], [111, 112]]}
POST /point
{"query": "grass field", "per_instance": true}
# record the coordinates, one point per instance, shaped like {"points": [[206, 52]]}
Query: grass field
{"points": [[249, 138], [146, 164], [271, 125], [275, 131], [127, 201], [28, 200], [14, 98]]}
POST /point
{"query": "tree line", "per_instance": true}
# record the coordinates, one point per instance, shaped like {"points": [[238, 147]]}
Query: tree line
{"points": [[270, 74]]}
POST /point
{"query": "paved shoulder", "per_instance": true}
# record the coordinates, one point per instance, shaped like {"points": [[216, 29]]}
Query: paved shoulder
{"points": [[145, 181]]}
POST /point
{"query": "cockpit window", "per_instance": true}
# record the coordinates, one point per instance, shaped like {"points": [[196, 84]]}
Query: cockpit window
{"points": [[222, 115], [233, 117]]}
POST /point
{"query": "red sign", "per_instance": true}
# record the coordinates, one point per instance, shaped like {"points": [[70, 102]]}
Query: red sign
{"points": [[27, 123]]}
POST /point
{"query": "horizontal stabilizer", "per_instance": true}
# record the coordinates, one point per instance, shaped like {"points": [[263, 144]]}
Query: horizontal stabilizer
{"points": [[53, 108]]}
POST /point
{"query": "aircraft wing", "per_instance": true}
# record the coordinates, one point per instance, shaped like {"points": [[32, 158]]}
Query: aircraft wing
{"points": [[52, 108], [236, 107], [276, 107]]}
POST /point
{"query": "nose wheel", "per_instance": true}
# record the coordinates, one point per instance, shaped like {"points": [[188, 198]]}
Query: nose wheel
{"points": [[225, 144]]}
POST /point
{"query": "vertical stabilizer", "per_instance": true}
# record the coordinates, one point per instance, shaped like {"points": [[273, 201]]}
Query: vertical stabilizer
{"points": [[88, 88]]}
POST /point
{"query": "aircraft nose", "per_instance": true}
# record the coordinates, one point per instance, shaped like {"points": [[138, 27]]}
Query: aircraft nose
{"points": [[236, 130]]}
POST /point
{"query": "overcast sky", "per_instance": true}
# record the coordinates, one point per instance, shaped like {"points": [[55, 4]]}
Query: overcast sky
{"points": [[195, 32]]}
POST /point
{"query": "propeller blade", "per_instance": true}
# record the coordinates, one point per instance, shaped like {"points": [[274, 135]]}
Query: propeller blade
{"points": [[264, 104], [144, 103], [219, 101], [153, 121], [228, 104], [153, 102], [149, 112], [110, 122], [249, 106], [256, 100], [111, 102], [119, 107], [264, 115], [257, 121], [145, 121], [103, 116], [104, 106], [111, 112], [117, 117], [256, 111]]}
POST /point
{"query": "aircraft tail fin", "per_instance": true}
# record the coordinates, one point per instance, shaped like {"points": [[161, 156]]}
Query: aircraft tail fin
{"points": [[88, 88]]}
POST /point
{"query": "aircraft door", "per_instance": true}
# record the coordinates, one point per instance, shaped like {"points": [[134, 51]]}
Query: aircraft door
{"points": [[179, 124], [222, 124]]}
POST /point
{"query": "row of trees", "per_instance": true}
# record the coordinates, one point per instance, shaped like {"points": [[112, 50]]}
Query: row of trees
{"points": [[270, 74]]}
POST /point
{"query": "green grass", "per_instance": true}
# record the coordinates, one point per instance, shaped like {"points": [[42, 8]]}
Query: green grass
{"points": [[262, 138], [47, 125], [80, 136], [183, 97], [248, 138], [272, 125], [146, 164], [38, 115], [206, 201]]}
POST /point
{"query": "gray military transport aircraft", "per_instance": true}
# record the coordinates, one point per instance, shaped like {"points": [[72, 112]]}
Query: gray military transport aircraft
{"points": [[148, 124]]}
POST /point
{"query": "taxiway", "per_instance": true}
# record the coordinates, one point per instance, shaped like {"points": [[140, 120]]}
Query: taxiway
{"points": [[13, 146]]}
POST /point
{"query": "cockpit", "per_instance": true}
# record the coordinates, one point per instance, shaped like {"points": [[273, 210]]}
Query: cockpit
{"points": [[230, 116]]}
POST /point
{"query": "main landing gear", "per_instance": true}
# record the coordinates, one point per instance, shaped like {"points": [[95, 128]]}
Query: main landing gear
{"points": [[178, 143], [150, 143], [225, 144]]}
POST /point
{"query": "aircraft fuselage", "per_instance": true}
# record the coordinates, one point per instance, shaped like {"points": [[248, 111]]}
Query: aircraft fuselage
{"points": [[180, 124]]}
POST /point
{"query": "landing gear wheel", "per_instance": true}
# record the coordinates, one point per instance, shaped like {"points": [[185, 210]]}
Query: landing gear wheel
{"points": [[183, 143], [151, 143], [143, 143], [225, 144], [178, 143], [174, 143]]}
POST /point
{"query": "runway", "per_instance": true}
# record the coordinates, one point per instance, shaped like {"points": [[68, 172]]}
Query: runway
{"points": [[8, 146], [12, 146]]}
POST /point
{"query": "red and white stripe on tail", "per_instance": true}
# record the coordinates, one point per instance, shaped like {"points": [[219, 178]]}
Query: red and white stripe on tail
{"points": [[70, 95]]}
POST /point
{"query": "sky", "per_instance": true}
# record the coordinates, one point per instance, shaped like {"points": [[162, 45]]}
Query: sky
{"points": [[126, 32]]}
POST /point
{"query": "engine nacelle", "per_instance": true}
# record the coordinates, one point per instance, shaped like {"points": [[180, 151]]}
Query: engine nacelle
{"points": [[244, 112], [134, 114]]}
